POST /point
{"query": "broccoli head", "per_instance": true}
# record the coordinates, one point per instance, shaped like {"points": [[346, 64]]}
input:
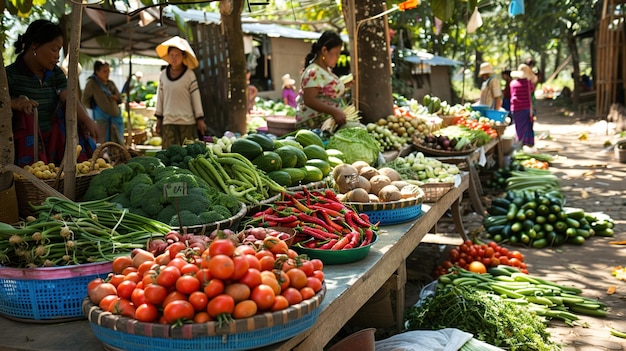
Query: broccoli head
{"points": [[96, 191], [229, 201], [141, 178], [149, 163], [138, 195], [193, 203], [165, 215], [179, 176], [187, 219], [139, 211], [137, 168], [210, 217], [116, 177], [122, 199], [196, 148], [152, 208], [175, 151], [222, 210]]}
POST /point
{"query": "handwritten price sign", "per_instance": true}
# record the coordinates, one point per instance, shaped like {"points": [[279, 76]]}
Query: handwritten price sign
{"points": [[175, 189]]}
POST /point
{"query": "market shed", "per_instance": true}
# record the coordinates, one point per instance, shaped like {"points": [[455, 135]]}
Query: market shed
{"points": [[430, 74]]}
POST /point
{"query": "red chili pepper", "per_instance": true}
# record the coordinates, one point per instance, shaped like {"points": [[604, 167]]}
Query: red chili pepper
{"points": [[298, 195], [311, 219], [358, 220], [342, 242], [354, 241], [292, 224], [277, 219], [329, 221], [328, 211], [331, 195], [318, 234], [269, 224], [335, 206], [328, 245], [350, 221], [364, 217], [297, 204], [312, 244], [307, 195], [267, 211], [369, 234]]}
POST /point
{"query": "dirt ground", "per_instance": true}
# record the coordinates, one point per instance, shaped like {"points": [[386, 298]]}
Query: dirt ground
{"points": [[592, 179]]}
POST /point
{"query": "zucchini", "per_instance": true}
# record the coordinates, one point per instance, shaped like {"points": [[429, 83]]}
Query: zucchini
{"points": [[497, 210], [266, 142], [539, 243], [268, 161], [512, 212], [307, 137], [315, 151], [494, 220], [500, 202], [516, 227], [247, 148], [572, 223], [496, 229]]}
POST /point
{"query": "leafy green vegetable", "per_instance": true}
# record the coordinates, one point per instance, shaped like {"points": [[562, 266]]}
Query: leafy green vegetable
{"points": [[488, 317], [356, 144]]}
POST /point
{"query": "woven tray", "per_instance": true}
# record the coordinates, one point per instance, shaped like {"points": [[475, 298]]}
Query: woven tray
{"points": [[48, 294], [386, 213], [322, 184], [434, 191], [206, 229], [122, 333], [27, 193]]}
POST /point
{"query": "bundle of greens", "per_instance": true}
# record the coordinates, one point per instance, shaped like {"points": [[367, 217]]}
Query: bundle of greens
{"points": [[487, 316]]}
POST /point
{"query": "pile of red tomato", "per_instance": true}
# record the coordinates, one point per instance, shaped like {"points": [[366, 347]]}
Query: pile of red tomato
{"points": [[476, 125], [490, 255], [225, 281]]}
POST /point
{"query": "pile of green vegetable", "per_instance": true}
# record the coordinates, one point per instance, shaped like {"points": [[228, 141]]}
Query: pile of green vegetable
{"points": [[488, 317], [356, 144], [179, 156], [425, 169], [63, 232], [138, 186]]}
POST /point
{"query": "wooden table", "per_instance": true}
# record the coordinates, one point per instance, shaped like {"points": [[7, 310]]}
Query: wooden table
{"points": [[349, 287]]}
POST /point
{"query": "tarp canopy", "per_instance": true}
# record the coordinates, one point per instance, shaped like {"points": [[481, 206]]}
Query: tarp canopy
{"points": [[430, 59]]}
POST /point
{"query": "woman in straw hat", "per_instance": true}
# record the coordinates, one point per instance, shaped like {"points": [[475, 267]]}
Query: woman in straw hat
{"points": [[179, 106], [289, 91], [522, 90], [490, 92]]}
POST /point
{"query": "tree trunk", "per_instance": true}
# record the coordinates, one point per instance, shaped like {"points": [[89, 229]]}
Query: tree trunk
{"points": [[231, 17], [371, 57], [573, 49]]}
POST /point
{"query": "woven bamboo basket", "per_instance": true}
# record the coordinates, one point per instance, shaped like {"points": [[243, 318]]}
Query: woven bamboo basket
{"points": [[434, 191], [32, 190], [499, 129], [280, 125]]}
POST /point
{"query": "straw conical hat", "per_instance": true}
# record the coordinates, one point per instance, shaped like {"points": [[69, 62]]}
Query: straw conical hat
{"points": [[190, 59]]}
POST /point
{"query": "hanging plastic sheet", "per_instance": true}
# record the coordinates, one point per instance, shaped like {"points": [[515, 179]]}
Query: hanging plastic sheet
{"points": [[516, 7]]}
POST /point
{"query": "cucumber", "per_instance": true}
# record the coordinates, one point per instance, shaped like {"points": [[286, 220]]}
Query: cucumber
{"points": [[500, 202], [497, 210], [266, 142], [512, 212]]}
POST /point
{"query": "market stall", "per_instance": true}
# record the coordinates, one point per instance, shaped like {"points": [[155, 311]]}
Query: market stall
{"points": [[354, 283]]}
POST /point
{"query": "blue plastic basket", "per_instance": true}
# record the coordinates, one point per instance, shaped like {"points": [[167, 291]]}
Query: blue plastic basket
{"points": [[395, 216], [480, 108], [496, 115], [130, 335], [26, 294]]}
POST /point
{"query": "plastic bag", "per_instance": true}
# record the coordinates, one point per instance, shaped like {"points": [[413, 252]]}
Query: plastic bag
{"points": [[449, 339]]}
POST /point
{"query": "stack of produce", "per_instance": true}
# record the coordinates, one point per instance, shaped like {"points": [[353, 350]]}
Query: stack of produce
{"points": [[66, 233], [479, 258], [138, 186], [222, 283], [543, 297], [454, 138], [416, 166], [179, 156], [395, 131], [319, 219], [295, 160], [356, 144], [362, 183]]}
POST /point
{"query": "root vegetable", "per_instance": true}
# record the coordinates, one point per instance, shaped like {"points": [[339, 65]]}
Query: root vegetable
{"points": [[359, 164], [343, 169], [358, 195], [389, 193], [391, 173], [368, 172], [378, 182]]}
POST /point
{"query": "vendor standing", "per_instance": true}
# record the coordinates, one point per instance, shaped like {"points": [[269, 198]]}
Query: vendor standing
{"points": [[490, 92], [321, 90]]}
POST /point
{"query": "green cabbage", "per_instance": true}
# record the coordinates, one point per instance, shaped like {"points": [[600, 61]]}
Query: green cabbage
{"points": [[356, 144]]}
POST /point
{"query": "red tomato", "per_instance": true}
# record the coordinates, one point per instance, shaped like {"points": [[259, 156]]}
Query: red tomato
{"points": [[252, 278], [314, 283], [292, 295], [203, 275], [125, 289], [178, 310], [221, 304], [174, 296], [199, 300], [221, 266], [134, 276], [517, 254], [116, 279], [214, 287], [94, 282], [167, 276], [253, 262], [107, 301], [221, 246], [146, 266], [202, 317], [307, 267], [242, 250], [138, 297], [123, 307], [280, 303], [241, 267], [297, 278], [129, 270], [175, 248], [189, 268], [155, 294], [245, 309], [283, 280], [307, 293], [317, 264], [146, 313], [263, 295], [267, 263], [187, 284], [120, 263], [177, 262], [319, 275]]}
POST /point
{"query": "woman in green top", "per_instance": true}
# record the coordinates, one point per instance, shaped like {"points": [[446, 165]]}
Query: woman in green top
{"points": [[37, 82]]}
